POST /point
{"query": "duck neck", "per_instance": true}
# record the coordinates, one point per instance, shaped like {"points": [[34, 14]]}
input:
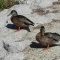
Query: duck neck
{"points": [[14, 15], [42, 32]]}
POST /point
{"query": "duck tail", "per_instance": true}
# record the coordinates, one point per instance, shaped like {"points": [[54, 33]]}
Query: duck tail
{"points": [[30, 22], [55, 40]]}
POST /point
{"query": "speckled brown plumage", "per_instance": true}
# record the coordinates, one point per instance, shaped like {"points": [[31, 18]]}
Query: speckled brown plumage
{"points": [[20, 20], [46, 39]]}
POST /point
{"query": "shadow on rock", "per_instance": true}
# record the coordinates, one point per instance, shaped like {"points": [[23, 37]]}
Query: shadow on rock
{"points": [[12, 26], [38, 45]]}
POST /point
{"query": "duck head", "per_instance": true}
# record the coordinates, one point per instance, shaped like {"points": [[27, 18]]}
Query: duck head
{"points": [[42, 31], [13, 13]]}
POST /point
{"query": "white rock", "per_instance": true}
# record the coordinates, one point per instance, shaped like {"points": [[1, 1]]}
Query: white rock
{"points": [[14, 36], [16, 46], [1, 44], [3, 52], [14, 56]]}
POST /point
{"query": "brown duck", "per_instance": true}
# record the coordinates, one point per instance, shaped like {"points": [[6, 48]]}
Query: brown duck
{"points": [[20, 20], [47, 39]]}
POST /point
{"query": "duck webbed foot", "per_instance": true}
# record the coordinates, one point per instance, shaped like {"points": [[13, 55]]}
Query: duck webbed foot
{"points": [[46, 47], [18, 29]]}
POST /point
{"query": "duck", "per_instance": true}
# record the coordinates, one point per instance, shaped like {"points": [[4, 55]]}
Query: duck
{"points": [[20, 20], [47, 39]]}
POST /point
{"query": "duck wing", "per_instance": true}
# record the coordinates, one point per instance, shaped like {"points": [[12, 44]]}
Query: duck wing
{"points": [[25, 20], [55, 36]]}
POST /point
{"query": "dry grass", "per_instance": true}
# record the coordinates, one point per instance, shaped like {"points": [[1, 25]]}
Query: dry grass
{"points": [[7, 3]]}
